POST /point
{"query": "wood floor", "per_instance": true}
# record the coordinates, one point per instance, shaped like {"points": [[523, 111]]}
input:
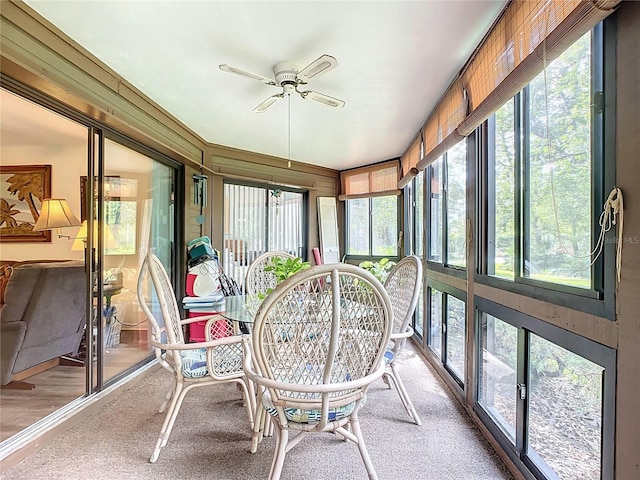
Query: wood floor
{"points": [[56, 387]]}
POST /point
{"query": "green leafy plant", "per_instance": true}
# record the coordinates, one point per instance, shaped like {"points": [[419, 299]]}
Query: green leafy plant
{"points": [[283, 268], [379, 269]]}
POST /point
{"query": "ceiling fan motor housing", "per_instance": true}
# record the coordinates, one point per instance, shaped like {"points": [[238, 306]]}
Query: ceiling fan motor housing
{"points": [[286, 73]]}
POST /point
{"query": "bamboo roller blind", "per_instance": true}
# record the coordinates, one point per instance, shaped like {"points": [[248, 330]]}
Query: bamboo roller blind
{"points": [[409, 161], [370, 181], [528, 35]]}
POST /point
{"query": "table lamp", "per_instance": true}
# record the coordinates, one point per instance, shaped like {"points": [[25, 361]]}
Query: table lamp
{"points": [[79, 240], [55, 213]]}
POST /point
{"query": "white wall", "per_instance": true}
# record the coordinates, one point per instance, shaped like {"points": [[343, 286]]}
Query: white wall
{"points": [[68, 164]]}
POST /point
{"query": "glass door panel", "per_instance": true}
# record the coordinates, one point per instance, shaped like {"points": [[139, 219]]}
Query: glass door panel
{"points": [[138, 215], [43, 154], [258, 220]]}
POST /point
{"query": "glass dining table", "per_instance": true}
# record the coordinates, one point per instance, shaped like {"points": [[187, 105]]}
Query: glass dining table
{"points": [[241, 309]]}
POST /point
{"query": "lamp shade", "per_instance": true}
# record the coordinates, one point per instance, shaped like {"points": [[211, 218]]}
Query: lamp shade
{"points": [[80, 240], [55, 213]]}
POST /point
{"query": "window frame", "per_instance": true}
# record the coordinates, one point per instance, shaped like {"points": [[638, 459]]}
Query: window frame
{"points": [[446, 290], [412, 215], [303, 254], [371, 256], [590, 350], [443, 266], [599, 299]]}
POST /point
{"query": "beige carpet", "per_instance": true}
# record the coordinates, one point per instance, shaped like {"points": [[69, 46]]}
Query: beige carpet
{"points": [[211, 439]]}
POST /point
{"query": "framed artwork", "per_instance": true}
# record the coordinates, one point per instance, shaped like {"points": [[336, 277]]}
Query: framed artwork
{"points": [[22, 189]]}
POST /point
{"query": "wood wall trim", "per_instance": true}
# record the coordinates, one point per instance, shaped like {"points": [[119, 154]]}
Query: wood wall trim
{"points": [[456, 282], [220, 155], [627, 462], [598, 329]]}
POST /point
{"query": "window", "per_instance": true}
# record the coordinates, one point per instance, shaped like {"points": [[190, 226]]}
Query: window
{"points": [[434, 339], [120, 209], [500, 221], [414, 242], [546, 394], [258, 220], [497, 372], [419, 215], [372, 226], [455, 336], [544, 144], [447, 327], [573, 385], [120, 213], [447, 191], [436, 189]]}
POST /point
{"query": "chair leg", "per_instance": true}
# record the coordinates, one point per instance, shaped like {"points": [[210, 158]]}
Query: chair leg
{"points": [[385, 379], [355, 429], [282, 438], [248, 397], [168, 396], [258, 425], [169, 420], [404, 396], [267, 431]]}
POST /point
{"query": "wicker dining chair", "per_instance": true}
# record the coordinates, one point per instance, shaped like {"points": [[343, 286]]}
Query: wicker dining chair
{"points": [[216, 360], [317, 379], [259, 281], [403, 286]]}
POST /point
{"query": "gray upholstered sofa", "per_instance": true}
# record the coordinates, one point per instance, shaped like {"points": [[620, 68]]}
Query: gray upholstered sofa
{"points": [[43, 316]]}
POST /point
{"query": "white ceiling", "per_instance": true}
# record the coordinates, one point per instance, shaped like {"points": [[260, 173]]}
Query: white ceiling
{"points": [[395, 59]]}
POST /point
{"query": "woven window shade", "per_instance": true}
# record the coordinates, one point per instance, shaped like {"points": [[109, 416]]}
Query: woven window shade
{"points": [[440, 131], [371, 181], [409, 161], [529, 34]]}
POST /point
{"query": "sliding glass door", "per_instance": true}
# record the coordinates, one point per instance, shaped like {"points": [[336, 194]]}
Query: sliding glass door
{"points": [[126, 198], [260, 219], [137, 215]]}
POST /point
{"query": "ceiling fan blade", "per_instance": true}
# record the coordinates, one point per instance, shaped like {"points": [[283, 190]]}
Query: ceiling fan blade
{"points": [[322, 98], [246, 73], [268, 102], [317, 67]]}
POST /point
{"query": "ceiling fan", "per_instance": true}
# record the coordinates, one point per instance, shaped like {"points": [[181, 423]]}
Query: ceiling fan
{"points": [[289, 76]]}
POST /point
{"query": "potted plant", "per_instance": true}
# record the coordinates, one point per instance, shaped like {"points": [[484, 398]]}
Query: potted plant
{"points": [[283, 268], [379, 269]]}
